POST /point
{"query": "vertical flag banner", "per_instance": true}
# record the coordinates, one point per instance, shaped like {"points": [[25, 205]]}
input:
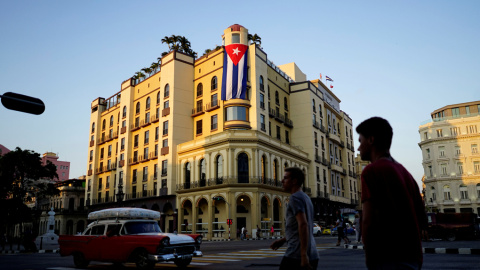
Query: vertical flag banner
{"points": [[234, 81]]}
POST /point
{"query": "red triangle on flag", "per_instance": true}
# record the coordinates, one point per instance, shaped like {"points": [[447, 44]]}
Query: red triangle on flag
{"points": [[235, 52]]}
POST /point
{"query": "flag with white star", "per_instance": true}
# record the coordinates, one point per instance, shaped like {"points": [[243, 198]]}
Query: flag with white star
{"points": [[234, 82]]}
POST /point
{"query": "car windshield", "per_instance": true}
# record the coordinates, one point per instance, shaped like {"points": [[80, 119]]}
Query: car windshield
{"points": [[142, 227]]}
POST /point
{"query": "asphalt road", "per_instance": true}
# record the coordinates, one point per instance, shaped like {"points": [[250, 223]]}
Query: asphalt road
{"points": [[242, 255]]}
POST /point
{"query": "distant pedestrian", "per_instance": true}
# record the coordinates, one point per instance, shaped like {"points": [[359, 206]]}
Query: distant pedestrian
{"points": [[272, 230], [341, 226], [301, 251], [242, 233], [387, 187], [358, 231], [258, 232]]}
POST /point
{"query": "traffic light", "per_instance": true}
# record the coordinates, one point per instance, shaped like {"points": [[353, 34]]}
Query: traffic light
{"points": [[229, 221]]}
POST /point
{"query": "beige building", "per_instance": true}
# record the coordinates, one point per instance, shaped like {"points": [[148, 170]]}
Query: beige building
{"points": [[176, 147], [449, 144]]}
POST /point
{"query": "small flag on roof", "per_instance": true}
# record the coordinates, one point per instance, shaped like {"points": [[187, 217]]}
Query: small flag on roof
{"points": [[328, 78]]}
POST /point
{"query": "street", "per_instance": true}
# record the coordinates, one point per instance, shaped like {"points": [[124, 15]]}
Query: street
{"points": [[243, 255]]}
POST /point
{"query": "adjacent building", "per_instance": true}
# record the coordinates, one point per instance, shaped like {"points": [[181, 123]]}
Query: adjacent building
{"points": [[451, 160], [168, 142], [63, 167]]}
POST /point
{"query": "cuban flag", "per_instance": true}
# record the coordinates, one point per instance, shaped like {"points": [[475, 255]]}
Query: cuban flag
{"points": [[234, 82]]}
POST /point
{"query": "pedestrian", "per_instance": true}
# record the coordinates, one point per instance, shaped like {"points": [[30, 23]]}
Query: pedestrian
{"points": [[387, 187], [242, 233], [358, 232], [301, 250], [258, 232], [341, 229], [272, 230]]}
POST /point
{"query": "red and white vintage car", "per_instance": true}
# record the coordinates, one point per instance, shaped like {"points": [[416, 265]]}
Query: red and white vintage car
{"points": [[121, 235]]}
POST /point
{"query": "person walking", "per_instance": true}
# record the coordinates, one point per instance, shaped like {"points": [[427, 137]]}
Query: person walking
{"points": [[272, 230], [387, 187], [341, 229], [242, 233], [301, 250], [358, 232]]}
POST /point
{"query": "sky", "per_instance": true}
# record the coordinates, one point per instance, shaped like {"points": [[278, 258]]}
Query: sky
{"points": [[399, 60]]}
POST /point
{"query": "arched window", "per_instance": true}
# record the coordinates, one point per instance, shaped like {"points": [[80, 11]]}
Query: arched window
{"points": [[158, 98], [93, 127], [320, 110], [187, 175], [167, 91], [275, 170], [111, 121], [434, 195], [104, 124], [124, 114], [219, 168], [263, 168], [262, 87], [137, 108], [214, 83], [199, 90], [242, 168], [202, 176], [147, 104]]}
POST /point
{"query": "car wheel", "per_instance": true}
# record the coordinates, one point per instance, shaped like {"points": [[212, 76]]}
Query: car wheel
{"points": [[79, 260], [183, 263], [142, 261]]}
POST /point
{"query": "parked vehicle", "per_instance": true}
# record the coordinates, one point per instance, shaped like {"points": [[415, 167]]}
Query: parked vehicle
{"points": [[121, 235], [327, 230], [317, 229], [451, 226]]}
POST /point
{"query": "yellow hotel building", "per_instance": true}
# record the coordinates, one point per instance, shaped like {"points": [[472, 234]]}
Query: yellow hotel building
{"points": [[174, 146]]}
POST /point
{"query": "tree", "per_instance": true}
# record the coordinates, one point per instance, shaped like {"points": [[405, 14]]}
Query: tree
{"points": [[167, 40], [147, 70], [154, 66], [22, 177], [255, 39]]}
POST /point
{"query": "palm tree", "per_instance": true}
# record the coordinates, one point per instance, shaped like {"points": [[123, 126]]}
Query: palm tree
{"points": [[164, 53], [147, 70], [139, 75], [257, 39], [207, 51], [175, 40], [167, 40], [218, 47], [154, 66], [159, 60], [184, 43]]}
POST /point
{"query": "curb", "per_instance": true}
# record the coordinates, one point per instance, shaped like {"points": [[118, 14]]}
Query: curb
{"points": [[248, 239], [48, 251], [472, 251]]}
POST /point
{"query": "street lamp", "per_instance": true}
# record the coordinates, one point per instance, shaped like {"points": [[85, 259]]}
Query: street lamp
{"points": [[120, 193]]}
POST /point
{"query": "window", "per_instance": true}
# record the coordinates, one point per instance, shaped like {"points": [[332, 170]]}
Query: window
{"points": [[137, 108], [315, 138], [262, 122], [460, 168], [321, 115], [269, 128], [472, 129], [287, 137], [166, 104], [242, 168], [145, 174], [109, 150], [164, 167], [157, 133], [263, 164], [134, 176], [458, 150], [219, 167], [478, 187], [463, 192], [199, 127], [474, 148], [147, 104], [165, 143], [214, 122], [439, 133], [455, 131], [455, 112], [124, 123], [145, 153], [135, 156], [277, 99], [278, 133], [146, 137], [425, 136], [235, 38], [476, 166], [199, 105], [262, 101], [443, 166], [156, 150], [313, 105], [122, 144], [165, 128], [236, 113], [285, 102], [214, 83], [111, 121], [124, 113], [158, 98], [101, 153], [167, 91], [187, 175], [214, 100], [262, 86], [199, 90], [91, 155], [135, 141], [441, 151], [203, 168]]}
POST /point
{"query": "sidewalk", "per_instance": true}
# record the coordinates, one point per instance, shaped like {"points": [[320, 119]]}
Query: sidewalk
{"points": [[437, 246]]}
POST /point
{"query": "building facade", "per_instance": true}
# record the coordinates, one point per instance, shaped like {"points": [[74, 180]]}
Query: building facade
{"points": [[174, 146], [449, 144], [63, 167]]}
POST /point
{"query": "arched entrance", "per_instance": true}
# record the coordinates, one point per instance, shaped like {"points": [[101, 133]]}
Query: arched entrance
{"points": [[168, 214], [244, 214], [80, 226], [69, 227], [201, 224], [186, 223]]}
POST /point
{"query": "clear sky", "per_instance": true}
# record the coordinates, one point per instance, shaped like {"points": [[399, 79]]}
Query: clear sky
{"points": [[396, 59]]}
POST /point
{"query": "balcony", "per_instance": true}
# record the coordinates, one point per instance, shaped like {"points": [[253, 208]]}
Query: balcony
{"points": [[279, 117], [198, 111], [271, 112], [145, 122], [323, 129], [89, 172], [288, 123], [152, 155], [134, 127], [123, 130], [165, 111], [231, 182], [143, 158], [212, 106], [317, 158], [164, 151], [133, 161], [325, 162], [121, 163], [92, 143], [155, 118], [316, 125]]}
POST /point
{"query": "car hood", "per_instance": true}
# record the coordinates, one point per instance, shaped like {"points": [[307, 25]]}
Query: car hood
{"points": [[175, 239]]}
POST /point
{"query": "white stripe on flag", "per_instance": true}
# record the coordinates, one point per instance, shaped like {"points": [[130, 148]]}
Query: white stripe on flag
{"points": [[229, 86], [241, 65]]}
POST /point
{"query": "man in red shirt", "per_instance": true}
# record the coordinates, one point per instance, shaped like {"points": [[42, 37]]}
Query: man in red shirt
{"points": [[391, 201]]}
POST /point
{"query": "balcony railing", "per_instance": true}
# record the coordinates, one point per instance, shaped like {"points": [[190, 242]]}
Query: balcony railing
{"points": [[198, 111], [288, 122], [212, 106], [166, 111], [155, 118], [230, 181]]}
